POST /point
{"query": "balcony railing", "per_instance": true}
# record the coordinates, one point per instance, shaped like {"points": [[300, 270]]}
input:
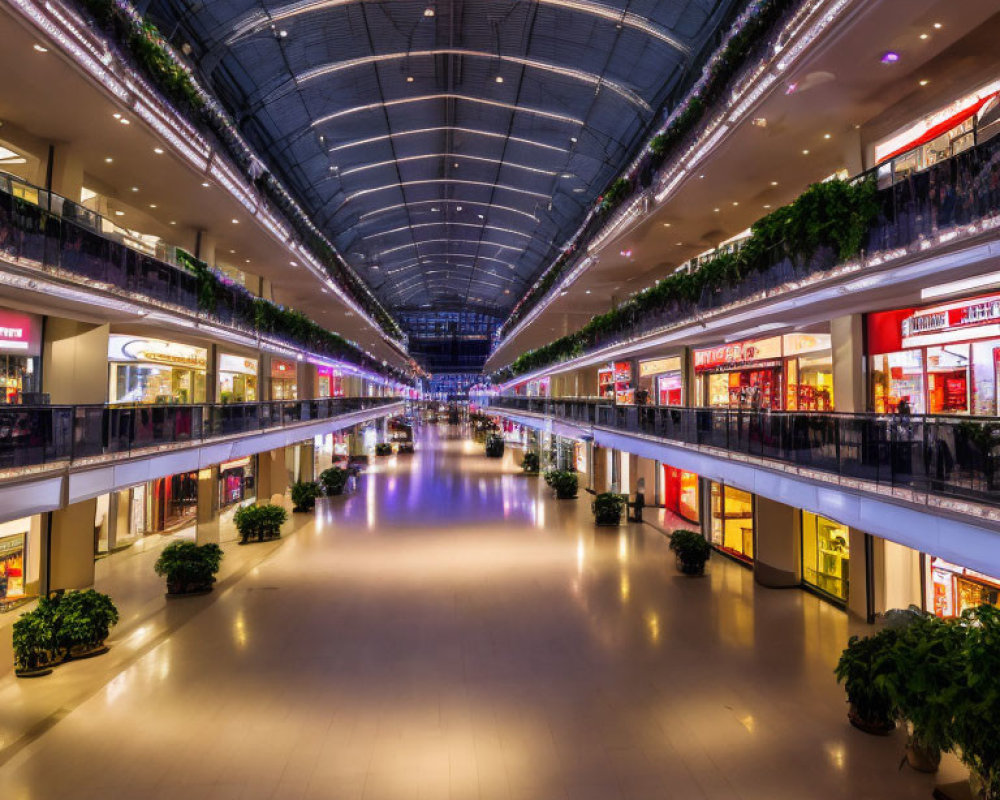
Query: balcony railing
{"points": [[32, 436], [956, 457]]}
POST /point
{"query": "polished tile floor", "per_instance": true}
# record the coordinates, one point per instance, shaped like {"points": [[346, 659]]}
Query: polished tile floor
{"points": [[453, 632]]}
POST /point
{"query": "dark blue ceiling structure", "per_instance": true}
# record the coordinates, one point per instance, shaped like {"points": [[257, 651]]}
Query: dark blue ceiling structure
{"points": [[448, 148]]}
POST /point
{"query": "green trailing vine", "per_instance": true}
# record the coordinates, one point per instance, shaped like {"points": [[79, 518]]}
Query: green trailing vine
{"points": [[758, 27], [154, 56], [835, 214]]}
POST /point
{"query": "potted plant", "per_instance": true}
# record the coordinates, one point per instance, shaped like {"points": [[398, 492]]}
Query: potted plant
{"points": [[34, 642], [974, 721], [405, 448], [304, 494], [83, 621], [189, 568], [691, 549], [863, 668], [530, 463], [334, 480], [259, 522], [607, 508], [494, 446], [383, 449], [563, 482]]}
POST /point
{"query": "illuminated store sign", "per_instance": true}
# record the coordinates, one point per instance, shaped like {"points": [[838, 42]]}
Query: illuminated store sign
{"points": [[237, 364], [20, 334], [156, 351], [965, 319], [736, 354], [659, 366]]}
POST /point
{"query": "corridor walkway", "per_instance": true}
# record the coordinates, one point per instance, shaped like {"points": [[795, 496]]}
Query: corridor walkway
{"points": [[453, 632]]}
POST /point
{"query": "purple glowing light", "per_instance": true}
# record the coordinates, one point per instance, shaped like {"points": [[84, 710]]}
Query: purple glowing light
{"points": [[890, 57]]}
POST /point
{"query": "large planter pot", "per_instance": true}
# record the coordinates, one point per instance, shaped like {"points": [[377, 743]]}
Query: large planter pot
{"points": [[876, 727], [88, 650], [608, 520], [33, 673], [187, 589], [565, 495], [690, 567], [922, 758]]}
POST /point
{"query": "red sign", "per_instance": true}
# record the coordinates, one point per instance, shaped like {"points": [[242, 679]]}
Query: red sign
{"points": [[20, 334], [736, 354]]}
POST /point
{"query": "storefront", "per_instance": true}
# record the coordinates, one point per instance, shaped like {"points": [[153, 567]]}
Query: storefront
{"points": [[938, 136], [792, 373], [662, 380], [237, 379], [825, 555], [174, 501], [20, 550], [680, 493], [539, 388], [614, 382], [144, 370], [941, 359], [236, 481], [951, 589], [329, 382], [731, 527], [284, 384], [20, 348]]}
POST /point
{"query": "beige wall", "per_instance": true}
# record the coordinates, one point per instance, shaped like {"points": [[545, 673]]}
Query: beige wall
{"points": [[848, 354], [778, 549], [207, 527], [272, 474], [75, 361], [896, 571], [71, 550]]}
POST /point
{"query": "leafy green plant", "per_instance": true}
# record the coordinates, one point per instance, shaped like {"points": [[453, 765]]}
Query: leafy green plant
{"points": [[259, 522], [383, 449], [864, 668], [83, 620], [34, 642], [334, 480], [530, 462], [608, 508], [564, 482], [692, 551], [922, 664], [304, 494], [494, 446], [188, 567], [976, 705]]}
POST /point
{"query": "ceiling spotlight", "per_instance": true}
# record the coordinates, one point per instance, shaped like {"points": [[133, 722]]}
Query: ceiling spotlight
{"points": [[666, 224], [573, 139], [499, 79], [428, 12], [173, 222], [135, 188], [247, 261], [119, 213], [158, 151], [236, 222], [735, 203], [925, 36], [232, 252], [587, 292], [506, 291], [937, 26], [409, 79], [805, 152], [701, 177], [293, 263], [826, 136], [434, 209], [774, 183], [152, 205], [458, 208], [283, 34], [108, 160], [480, 216], [455, 165], [117, 115], [124, 121], [206, 184], [924, 82], [716, 210], [39, 49], [760, 122], [579, 190], [767, 205], [625, 253], [890, 57]]}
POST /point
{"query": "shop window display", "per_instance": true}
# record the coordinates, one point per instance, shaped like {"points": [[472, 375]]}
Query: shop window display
{"points": [[237, 379], [236, 481], [825, 555], [12, 567], [680, 493], [732, 523], [155, 371], [952, 588], [896, 377]]}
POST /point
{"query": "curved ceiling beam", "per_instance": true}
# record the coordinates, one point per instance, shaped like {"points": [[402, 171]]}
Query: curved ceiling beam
{"points": [[449, 129], [402, 101], [589, 78], [393, 161], [404, 184], [491, 206], [476, 242], [257, 21], [417, 262], [478, 225]]}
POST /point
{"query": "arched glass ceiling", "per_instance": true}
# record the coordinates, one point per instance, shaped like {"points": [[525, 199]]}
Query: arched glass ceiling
{"points": [[448, 147]]}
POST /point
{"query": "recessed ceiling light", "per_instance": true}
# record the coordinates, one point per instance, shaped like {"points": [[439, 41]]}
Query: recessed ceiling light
{"points": [[173, 222], [117, 115], [506, 291], [152, 205], [119, 213], [937, 26], [39, 49], [158, 151], [455, 164], [925, 36], [434, 209], [890, 57], [679, 244], [924, 82], [409, 79], [579, 190], [774, 183], [587, 292], [283, 33], [735, 203], [716, 210], [767, 205], [232, 252], [293, 263], [108, 160], [826, 136], [499, 78], [573, 139], [236, 222], [666, 224], [135, 188], [805, 152], [458, 208], [124, 121], [428, 12], [206, 184], [247, 261], [480, 216]]}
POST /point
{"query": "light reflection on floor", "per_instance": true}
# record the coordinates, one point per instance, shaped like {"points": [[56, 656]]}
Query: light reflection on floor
{"points": [[451, 631]]}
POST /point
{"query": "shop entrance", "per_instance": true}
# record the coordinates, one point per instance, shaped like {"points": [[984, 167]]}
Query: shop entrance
{"points": [[175, 501], [732, 523]]}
